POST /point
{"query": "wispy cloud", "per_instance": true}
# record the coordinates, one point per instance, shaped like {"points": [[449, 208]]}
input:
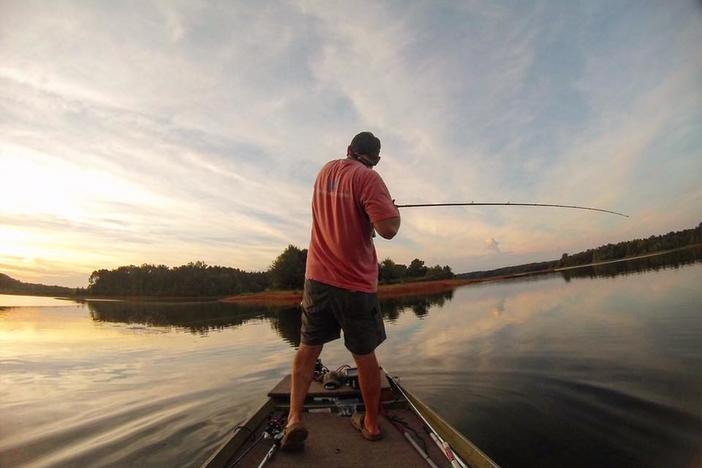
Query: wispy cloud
{"points": [[171, 132]]}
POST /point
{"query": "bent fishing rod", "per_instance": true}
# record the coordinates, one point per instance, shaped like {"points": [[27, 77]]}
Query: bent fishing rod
{"points": [[420, 205]]}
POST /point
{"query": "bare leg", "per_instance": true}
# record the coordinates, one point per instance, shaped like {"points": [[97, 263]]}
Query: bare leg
{"points": [[303, 368], [369, 380]]}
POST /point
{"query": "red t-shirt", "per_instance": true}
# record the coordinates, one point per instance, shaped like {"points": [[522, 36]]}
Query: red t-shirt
{"points": [[348, 196]]}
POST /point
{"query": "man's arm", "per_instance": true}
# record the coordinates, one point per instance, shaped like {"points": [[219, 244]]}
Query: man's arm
{"points": [[387, 228], [378, 205]]}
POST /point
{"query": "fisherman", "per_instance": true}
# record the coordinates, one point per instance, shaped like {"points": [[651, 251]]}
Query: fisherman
{"points": [[350, 203]]}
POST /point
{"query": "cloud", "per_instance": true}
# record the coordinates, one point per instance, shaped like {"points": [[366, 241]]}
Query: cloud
{"points": [[180, 131]]}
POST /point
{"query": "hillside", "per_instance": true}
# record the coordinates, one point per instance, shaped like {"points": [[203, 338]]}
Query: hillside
{"points": [[9, 285]]}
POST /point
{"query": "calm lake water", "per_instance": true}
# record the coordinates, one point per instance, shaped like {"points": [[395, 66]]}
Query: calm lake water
{"points": [[589, 367]]}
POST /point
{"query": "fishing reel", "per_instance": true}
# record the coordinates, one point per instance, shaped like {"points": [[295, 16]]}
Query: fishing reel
{"points": [[320, 370], [274, 429], [331, 380]]}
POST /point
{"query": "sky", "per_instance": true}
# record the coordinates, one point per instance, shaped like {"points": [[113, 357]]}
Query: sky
{"points": [[174, 131]]}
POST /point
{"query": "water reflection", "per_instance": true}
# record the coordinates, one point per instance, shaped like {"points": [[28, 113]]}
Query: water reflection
{"points": [[79, 392], [674, 259], [197, 317], [203, 317], [18, 300], [537, 371], [420, 305], [287, 322]]}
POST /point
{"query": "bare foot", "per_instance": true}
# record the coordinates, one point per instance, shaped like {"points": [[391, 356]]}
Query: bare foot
{"points": [[293, 420], [372, 430]]}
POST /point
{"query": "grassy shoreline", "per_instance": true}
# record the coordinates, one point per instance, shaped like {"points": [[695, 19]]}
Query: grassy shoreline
{"points": [[385, 291]]}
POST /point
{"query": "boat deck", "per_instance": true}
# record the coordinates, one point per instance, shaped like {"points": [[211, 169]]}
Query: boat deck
{"points": [[333, 442]]}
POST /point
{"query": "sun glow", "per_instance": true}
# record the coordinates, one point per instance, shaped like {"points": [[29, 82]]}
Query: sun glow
{"points": [[41, 184], [52, 207]]}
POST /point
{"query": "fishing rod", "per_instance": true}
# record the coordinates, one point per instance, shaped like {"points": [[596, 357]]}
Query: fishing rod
{"points": [[418, 205]]}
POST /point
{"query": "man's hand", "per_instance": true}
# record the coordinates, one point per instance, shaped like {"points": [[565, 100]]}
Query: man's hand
{"points": [[387, 228]]}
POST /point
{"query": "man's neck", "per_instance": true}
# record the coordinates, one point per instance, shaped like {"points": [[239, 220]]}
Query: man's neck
{"points": [[359, 160]]}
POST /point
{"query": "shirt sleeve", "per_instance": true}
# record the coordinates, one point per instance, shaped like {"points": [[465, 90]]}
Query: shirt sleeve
{"points": [[375, 198]]}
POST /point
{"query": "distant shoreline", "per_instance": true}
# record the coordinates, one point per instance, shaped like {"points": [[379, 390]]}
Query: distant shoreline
{"points": [[653, 254], [385, 291], [291, 298], [420, 288]]}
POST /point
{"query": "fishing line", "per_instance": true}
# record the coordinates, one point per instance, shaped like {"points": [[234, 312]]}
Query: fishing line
{"points": [[575, 207]]}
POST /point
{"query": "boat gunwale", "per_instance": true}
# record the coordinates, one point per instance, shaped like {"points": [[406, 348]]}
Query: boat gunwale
{"points": [[469, 454], [242, 433]]}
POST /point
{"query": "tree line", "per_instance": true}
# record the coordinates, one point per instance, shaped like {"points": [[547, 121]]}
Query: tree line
{"points": [[197, 279], [634, 248], [604, 253], [674, 259], [201, 280], [391, 272]]}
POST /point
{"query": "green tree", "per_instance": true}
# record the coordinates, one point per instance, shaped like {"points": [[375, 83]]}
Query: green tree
{"points": [[564, 260], [389, 271], [416, 268], [288, 270], [386, 270]]}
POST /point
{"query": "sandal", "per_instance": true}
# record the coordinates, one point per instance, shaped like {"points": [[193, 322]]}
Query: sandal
{"points": [[293, 437], [357, 423]]}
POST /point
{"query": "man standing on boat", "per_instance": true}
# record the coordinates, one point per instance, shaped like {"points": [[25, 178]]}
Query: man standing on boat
{"points": [[350, 203]]}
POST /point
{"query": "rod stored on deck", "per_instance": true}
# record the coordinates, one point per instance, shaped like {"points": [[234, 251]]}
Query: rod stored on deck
{"points": [[268, 456], [446, 449], [396, 384], [575, 207], [419, 450]]}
